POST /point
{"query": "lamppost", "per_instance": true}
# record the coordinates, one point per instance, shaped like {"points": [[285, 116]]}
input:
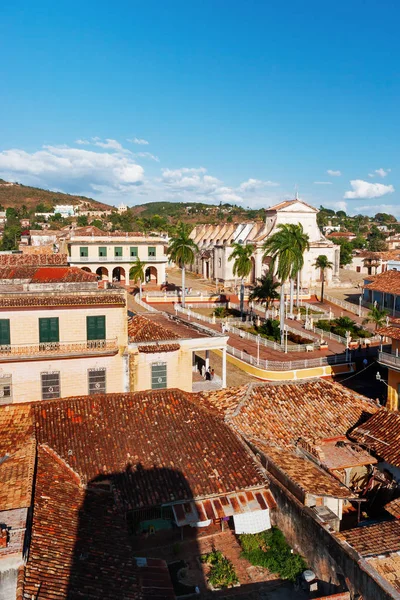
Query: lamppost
{"points": [[258, 349], [359, 305]]}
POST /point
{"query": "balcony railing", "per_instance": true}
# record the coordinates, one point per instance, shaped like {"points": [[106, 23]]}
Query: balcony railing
{"points": [[57, 349], [390, 360], [116, 259]]}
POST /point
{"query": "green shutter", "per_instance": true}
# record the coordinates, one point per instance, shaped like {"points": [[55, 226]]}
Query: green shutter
{"points": [[4, 332], [48, 330], [96, 328], [118, 251], [103, 251], [84, 251], [151, 251], [134, 251]]}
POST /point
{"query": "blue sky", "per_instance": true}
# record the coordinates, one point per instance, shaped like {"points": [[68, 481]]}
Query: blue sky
{"points": [[237, 101]]}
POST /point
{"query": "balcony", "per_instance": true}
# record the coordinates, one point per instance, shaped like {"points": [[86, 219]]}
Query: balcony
{"points": [[16, 352], [74, 260], [389, 360]]}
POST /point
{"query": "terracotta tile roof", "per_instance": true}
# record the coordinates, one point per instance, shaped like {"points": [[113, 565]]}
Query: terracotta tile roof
{"points": [[32, 300], [388, 282], [141, 329], [391, 331], [153, 349], [340, 453], [305, 474], [165, 429], [227, 400], [16, 427], [46, 274], [16, 477], [43, 259], [389, 568], [381, 435], [80, 544], [284, 412], [393, 507], [382, 538]]}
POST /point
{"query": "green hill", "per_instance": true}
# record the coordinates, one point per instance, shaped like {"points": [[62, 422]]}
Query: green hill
{"points": [[16, 195]]}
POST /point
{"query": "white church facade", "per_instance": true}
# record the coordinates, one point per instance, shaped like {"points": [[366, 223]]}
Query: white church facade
{"points": [[215, 244]]}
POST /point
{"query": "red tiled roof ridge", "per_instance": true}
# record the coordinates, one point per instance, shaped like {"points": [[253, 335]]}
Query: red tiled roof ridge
{"points": [[52, 453], [141, 329]]}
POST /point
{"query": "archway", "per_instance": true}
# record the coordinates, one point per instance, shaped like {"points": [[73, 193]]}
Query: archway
{"points": [[86, 269], [150, 275], [118, 274], [102, 273]]}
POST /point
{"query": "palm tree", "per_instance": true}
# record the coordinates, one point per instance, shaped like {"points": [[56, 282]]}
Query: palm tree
{"points": [[322, 263], [181, 250], [266, 291], [242, 266], [376, 315], [286, 248], [136, 273]]}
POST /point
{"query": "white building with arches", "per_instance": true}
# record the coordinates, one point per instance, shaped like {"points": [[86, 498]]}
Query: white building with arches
{"points": [[215, 244], [111, 255]]}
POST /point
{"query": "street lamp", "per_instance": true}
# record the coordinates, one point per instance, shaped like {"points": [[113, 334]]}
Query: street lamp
{"points": [[258, 349], [379, 378]]}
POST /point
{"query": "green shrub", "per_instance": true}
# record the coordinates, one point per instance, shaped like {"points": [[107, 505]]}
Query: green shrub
{"points": [[270, 549], [220, 312], [222, 573]]}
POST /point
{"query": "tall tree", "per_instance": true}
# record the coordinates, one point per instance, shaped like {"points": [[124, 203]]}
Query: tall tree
{"points": [[137, 273], [377, 316], [286, 249], [242, 266], [266, 291], [322, 263], [181, 251]]}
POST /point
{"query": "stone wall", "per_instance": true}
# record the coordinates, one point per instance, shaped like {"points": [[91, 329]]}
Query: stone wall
{"points": [[328, 557]]}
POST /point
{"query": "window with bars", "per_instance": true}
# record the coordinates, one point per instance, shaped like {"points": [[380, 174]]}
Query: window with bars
{"points": [[97, 381], [152, 251], [5, 389], [158, 376], [50, 385]]}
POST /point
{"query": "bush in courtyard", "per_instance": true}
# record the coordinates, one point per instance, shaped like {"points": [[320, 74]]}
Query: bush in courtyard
{"points": [[220, 312], [340, 325], [270, 549], [270, 329], [222, 574]]}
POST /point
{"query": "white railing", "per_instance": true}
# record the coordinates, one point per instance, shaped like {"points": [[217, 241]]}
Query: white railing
{"points": [[342, 340], [145, 305], [349, 306], [288, 365], [262, 341], [15, 351], [389, 359]]}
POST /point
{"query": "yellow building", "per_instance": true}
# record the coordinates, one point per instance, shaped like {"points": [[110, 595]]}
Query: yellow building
{"points": [[59, 334], [111, 255], [391, 360], [166, 353]]}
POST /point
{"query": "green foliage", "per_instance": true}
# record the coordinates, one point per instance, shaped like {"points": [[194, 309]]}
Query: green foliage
{"points": [[286, 248], [82, 221], [241, 255], [266, 290], [222, 573], [346, 252], [377, 316], [220, 312], [270, 329], [270, 549], [340, 325], [182, 248], [385, 218]]}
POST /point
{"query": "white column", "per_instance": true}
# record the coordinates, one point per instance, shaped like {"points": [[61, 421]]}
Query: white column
{"points": [[207, 359], [224, 367]]}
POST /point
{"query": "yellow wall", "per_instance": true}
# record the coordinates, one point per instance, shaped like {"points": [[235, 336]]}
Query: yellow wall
{"points": [[26, 376], [179, 369], [393, 383], [24, 324]]}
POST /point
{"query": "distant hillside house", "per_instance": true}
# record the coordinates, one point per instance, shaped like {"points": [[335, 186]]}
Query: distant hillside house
{"points": [[215, 244]]}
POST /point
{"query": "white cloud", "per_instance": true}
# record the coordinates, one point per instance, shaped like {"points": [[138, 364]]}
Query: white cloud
{"points": [[334, 173], [147, 155], [381, 172], [365, 189], [82, 142], [108, 144], [372, 209], [138, 141], [73, 169], [322, 182], [252, 185]]}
